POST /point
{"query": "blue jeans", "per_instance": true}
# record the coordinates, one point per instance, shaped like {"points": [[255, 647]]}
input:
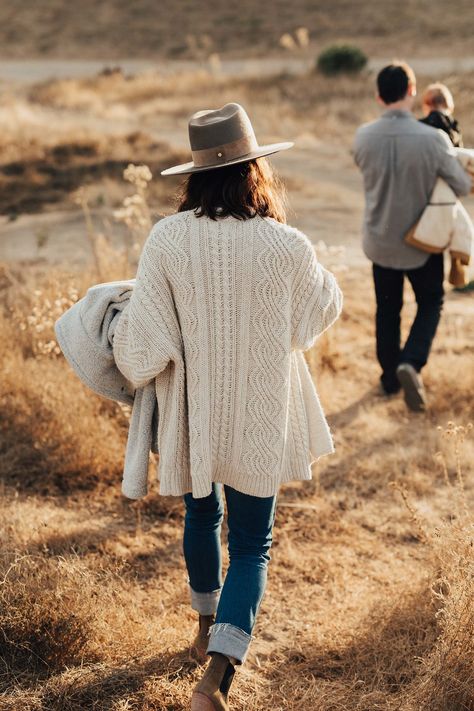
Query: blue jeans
{"points": [[236, 602]]}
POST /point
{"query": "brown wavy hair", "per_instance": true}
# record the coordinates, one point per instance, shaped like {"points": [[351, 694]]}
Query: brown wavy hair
{"points": [[243, 190]]}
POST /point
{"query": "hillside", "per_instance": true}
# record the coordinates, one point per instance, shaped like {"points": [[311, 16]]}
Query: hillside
{"points": [[184, 28], [369, 604]]}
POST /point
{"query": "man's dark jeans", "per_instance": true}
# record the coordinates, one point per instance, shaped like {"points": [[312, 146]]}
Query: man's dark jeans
{"points": [[427, 284]]}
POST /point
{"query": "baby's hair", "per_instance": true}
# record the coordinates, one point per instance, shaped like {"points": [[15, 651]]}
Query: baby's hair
{"points": [[437, 96]]}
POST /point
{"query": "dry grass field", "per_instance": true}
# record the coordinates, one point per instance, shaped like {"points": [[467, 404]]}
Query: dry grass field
{"points": [[369, 604], [115, 29]]}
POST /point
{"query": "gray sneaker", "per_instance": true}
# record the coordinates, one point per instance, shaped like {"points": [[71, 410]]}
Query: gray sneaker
{"points": [[413, 388]]}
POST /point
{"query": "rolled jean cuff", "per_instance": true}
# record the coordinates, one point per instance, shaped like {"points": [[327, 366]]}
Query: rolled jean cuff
{"points": [[229, 640], [205, 602]]}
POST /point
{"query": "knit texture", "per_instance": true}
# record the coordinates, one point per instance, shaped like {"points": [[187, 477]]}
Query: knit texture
{"points": [[85, 333], [220, 313]]}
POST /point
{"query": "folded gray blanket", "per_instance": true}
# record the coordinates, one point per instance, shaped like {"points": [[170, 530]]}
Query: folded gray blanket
{"points": [[85, 335]]}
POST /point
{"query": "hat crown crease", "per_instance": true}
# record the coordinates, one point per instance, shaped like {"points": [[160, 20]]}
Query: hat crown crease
{"points": [[222, 137]]}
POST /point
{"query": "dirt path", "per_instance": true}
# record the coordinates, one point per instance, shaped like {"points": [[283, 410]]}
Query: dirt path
{"points": [[30, 71], [325, 189], [325, 195], [325, 202], [325, 199]]}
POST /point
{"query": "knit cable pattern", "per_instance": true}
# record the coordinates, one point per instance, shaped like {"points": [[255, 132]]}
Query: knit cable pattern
{"points": [[219, 311], [269, 365]]}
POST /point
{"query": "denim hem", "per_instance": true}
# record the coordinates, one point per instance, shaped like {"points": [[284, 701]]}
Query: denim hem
{"points": [[229, 640], [205, 602]]}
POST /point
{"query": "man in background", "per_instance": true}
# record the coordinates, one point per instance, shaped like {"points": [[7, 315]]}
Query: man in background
{"points": [[400, 160]]}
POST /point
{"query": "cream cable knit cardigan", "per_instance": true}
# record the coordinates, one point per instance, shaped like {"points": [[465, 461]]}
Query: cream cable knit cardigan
{"points": [[219, 316]]}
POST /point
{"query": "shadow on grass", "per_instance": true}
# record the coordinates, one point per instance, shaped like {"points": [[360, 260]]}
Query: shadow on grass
{"points": [[49, 651], [383, 657], [37, 456], [348, 414], [356, 464], [102, 688], [151, 564], [154, 558]]}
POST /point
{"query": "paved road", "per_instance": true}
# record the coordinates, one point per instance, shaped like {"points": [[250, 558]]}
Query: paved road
{"points": [[36, 70]]}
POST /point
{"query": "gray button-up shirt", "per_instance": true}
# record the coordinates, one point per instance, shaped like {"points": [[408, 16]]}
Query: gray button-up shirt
{"points": [[400, 160]]}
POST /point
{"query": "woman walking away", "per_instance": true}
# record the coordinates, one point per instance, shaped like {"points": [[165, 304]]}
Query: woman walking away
{"points": [[227, 296]]}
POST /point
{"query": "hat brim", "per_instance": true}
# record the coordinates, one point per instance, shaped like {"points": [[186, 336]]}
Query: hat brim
{"points": [[261, 151]]}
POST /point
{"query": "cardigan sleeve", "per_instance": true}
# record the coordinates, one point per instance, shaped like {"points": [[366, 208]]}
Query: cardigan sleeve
{"points": [[317, 298], [147, 335]]}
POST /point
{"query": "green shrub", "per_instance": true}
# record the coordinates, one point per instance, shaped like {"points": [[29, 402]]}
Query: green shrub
{"points": [[341, 59]]}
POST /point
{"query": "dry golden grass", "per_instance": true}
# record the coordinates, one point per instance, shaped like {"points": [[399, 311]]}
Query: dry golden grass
{"points": [[329, 107], [369, 604]]}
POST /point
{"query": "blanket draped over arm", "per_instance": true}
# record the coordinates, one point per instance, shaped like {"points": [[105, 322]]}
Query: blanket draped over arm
{"points": [[85, 334]]}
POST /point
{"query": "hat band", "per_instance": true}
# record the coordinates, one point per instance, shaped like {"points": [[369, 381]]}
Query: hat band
{"points": [[224, 153]]}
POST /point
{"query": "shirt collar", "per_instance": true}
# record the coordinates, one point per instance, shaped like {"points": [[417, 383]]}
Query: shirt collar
{"points": [[397, 113]]}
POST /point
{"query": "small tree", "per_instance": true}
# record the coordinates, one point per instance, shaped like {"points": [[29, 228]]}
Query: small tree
{"points": [[341, 59]]}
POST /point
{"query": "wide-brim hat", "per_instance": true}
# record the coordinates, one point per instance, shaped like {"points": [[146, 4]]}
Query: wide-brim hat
{"points": [[223, 137]]}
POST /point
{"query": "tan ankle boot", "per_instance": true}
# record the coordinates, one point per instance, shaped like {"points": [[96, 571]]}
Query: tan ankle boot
{"points": [[198, 648], [212, 691]]}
